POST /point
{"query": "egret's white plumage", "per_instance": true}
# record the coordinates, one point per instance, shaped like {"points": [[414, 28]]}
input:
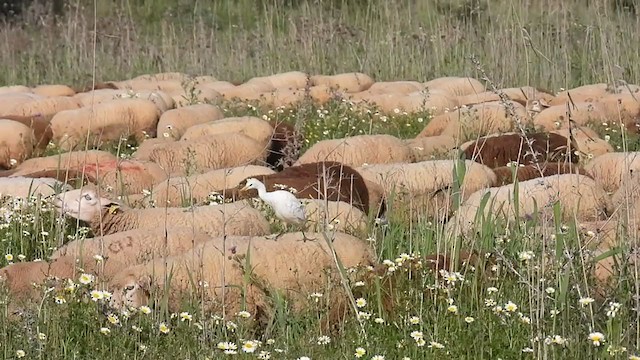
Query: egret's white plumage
{"points": [[286, 206]]}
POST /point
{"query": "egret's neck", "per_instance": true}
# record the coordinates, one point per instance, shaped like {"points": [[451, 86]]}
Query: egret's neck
{"points": [[262, 190]]}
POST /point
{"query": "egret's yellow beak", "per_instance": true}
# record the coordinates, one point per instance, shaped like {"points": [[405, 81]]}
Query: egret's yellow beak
{"points": [[245, 188]]}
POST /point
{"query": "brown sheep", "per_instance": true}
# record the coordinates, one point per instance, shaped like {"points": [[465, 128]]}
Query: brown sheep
{"points": [[343, 184], [499, 150], [504, 174], [285, 145]]}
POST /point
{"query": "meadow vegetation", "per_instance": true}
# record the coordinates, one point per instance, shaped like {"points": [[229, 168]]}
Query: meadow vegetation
{"points": [[533, 299]]}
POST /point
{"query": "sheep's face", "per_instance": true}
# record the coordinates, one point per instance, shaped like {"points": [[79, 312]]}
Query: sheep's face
{"points": [[130, 291], [82, 204]]}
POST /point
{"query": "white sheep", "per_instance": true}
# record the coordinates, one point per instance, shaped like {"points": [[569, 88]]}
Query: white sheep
{"points": [[24, 187], [251, 126], [610, 169], [359, 150], [105, 216], [219, 269], [175, 122], [179, 158], [426, 188], [109, 254], [579, 197]]}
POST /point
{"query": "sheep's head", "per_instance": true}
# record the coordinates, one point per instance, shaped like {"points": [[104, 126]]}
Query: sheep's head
{"points": [[130, 290], [82, 204]]}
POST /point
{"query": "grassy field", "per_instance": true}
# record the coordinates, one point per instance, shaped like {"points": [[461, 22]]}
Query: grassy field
{"points": [[533, 301]]}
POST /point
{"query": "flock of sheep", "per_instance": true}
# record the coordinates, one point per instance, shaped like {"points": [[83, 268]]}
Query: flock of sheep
{"points": [[189, 151]]}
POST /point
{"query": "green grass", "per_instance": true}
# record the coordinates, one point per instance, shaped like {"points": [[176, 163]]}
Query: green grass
{"points": [[547, 44]]}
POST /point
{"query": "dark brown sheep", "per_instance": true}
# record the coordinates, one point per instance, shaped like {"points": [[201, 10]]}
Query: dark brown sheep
{"points": [[504, 174], [40, 125], [285, 145], [343, 183], [499, 150]]}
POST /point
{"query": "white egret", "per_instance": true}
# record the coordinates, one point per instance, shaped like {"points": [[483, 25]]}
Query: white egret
{"points": [[285, 205]]}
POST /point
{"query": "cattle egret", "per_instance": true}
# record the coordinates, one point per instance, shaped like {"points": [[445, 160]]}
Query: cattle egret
{"points": [[285, 205]]}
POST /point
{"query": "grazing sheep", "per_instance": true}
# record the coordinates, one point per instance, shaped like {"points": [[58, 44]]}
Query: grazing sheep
{"points": [[522, 95], [431, 147], [394, 87], [174, 123], [286, 80], [347, 82], [504, 174], [17, 145], [106, 217], [104, 122], [580, 113], [219, 269], [286, 143], [45, 107], [73, 160], [15, 89], [205, 153], [359, 150], [124, 177], [611, 169], [255, 128], [196, 189], [131, 247], [41, 129], [435, 102], [457, 86], [502, 149], [588, 142], [579, 197], [53, 90], [425, 188], [592, 92], [24, 281], [11, 100], [341, 183], [323, 215], [23, 187], [162, 100], [247, 91]]}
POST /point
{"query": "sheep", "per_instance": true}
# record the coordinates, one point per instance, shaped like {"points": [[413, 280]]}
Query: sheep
{"points": [[15, 89], [17, 144], [457, 86], [502, 149], [286, 98], [198, 94], [588, 142], [206, 153], [359, 150], [479, 119], [219, 270], [11, 100], [247, 91], [522, 95], [25, 280], [504, 174], [348, 82], [174, 123], [287, 80], [104, 122], [39, 124], [435, 102], [425, 188], [53, 90], [323, 215], [394, 87], [23, 187], [197, 188], [592, 92], [251, 126], [73, 160], [579, 197], [432, 147], [163, 101], [46, 107], [580, 113], [124, 177], [106, 217], [340, 182], [131, 247], [609, 170]]}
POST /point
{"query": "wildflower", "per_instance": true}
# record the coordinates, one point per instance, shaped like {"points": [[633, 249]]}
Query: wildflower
{"points": [[163, 328], [249, 346], [378, 357], [8, 257], [358, 284], [526, 255], [492, 289], [613, 309], [21, 257], [360, 352], [185, 316], [525, 319], [145, 310], [634, 357], [452, 309], [20, 354], [420, 342], [105, 331], [436, 345], [584, 301], [60, 300], [510, 307], [550, 290], [113, 319], [361, 302], [527, 350], [96, 295], [231, 325], [244, 314], [98, 258], [416, 335], [489, 302], [364, 315], [264, 355], [379, 320], [270, 341], [86, 279], [559, 340], [42, 337], [414, 320], [597, 338], [136, 328], [323, 340]]}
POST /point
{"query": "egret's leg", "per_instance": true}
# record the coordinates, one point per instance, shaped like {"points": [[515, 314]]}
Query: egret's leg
{"points": [[304, 237]]}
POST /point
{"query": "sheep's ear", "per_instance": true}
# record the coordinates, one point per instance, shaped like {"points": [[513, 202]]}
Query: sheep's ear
{"points": [[112, 206], [145, 283], [544, 103]]}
